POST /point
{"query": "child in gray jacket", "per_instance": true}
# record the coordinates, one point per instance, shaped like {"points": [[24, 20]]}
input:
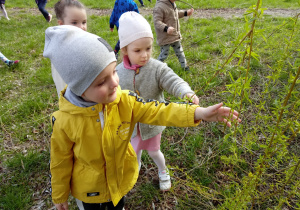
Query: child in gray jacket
{"points": [[148, 78]]}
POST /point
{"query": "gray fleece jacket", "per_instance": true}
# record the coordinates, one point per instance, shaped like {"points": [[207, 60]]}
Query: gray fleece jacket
{"points": [[152, 79]]}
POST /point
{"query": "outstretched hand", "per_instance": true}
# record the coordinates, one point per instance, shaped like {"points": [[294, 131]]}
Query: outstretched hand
{"points": [[217, 113], [62, 206], [190, 12]]}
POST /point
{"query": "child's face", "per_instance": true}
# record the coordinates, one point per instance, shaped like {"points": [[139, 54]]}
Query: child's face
{"points": [[74, 16], [103, 90], [139, 51]]}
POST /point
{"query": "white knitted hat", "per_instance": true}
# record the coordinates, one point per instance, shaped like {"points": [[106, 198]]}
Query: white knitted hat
{"points": [[78, 56], [133, 26]]}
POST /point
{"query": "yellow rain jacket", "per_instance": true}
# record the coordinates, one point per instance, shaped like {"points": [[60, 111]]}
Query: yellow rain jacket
{"points": [[98, 164]]}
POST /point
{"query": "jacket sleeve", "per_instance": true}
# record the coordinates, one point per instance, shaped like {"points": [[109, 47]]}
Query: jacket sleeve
{"points": [[61, 163], [134, 7], [166, 114], [181, 13], [158, 18], [113, 17], [168, 80]]}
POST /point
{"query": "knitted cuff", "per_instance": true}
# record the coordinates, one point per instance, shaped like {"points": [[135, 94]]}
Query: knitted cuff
{"points": [[166, 28]]}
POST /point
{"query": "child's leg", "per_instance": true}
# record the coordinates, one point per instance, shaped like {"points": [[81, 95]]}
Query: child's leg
{"points": [[117, 47], [135, 144], [164, 52], [163, 173], [6, 61], [3, 58], [4, 11], [179, 53], [41, 5], [159, 159], [142, 3]]}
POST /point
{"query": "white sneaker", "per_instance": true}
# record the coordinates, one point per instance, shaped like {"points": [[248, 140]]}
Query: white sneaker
{"points": [[49, 18], [164, 180]]}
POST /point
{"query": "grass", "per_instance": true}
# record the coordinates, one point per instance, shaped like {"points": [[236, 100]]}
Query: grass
{"points": [[211, 168], [198, 4]]}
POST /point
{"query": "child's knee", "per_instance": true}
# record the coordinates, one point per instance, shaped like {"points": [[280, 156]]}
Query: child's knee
{"points": [[153, 154]]}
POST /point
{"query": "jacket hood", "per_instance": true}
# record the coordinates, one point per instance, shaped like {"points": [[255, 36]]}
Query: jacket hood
{"points": [[66, 106]]}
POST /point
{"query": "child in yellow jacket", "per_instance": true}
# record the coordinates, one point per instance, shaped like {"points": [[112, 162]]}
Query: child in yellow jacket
{"points": [[91, 155]]}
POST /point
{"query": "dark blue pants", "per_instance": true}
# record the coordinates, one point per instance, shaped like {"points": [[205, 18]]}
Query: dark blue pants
{"points": [[42, 4], [141, 1], [117, 47]]}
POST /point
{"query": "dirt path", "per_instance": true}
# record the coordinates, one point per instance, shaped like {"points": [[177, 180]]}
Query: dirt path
{"points": [[199, 13]]}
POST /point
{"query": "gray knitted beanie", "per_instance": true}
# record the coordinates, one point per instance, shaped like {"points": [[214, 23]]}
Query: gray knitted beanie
{"points": [[78, 56]]}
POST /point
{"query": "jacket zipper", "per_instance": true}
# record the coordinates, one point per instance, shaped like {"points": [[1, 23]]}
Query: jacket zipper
{"points": [[136, 73]]}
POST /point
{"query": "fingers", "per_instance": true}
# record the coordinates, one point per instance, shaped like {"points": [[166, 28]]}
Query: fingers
{"points": [[216, 107], [231, 118], [62, 206], [226, 115], [228, 124], [196, 100], [65, 206]]}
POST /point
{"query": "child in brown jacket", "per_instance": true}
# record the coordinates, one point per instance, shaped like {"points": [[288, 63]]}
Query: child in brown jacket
{"points": [[166, 22]]}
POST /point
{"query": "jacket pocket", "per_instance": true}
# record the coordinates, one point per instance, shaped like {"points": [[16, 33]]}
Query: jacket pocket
{"points": [[87, 180], [130, 167]]}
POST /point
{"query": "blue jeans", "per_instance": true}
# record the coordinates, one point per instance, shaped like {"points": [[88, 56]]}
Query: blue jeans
{"points": [[42, 4]]}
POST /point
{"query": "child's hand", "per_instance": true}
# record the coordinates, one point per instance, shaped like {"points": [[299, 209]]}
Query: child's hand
{"points": [[217, 113], [193, 98], [62, 206], [111, 29], [190, 12], [170, 30]]}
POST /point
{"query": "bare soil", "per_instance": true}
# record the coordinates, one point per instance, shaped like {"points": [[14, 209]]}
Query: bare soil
{"points": [[199, 13]]}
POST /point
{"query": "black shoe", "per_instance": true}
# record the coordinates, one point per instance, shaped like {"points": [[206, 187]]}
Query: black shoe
{"points": [[186, 68], [142, 5], [150, 1]]}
